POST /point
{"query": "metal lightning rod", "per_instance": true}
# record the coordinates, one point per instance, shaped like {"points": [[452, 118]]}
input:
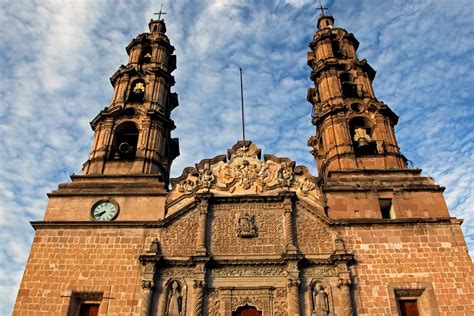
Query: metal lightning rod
{"points": [[242, 103]]}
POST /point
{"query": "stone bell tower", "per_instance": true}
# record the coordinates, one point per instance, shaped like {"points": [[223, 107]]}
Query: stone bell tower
{"points": [[133, 133], [354, 129], [362, 171]]}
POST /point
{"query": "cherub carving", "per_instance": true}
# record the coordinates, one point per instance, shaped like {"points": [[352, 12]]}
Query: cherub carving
{"points": [[207, 176], [285, 175]]}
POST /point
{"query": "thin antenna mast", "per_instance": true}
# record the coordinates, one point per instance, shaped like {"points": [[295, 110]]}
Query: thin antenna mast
{"points": [[242, 103]]}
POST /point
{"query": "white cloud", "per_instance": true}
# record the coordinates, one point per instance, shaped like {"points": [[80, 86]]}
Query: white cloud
{"points": [[57, 57]]}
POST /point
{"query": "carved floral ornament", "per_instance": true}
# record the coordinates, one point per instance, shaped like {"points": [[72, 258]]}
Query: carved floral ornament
{"points": [[245, 173]]}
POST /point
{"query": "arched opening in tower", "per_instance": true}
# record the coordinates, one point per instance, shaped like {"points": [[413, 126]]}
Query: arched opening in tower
{"points": [[146, 55], [125, 141], [361, 135], [137, 91]]}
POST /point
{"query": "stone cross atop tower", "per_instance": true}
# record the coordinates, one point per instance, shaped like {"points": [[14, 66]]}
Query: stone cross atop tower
{"points": [[133, 133], [354, 130]]}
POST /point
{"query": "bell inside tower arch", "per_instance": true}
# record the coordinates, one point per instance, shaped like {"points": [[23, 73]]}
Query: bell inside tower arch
{"points": [[146, 55], [125, 141], [137, 91], [361, 134]]}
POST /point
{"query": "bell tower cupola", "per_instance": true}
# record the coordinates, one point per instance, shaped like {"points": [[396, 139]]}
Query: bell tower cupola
{"points": [[133, 133], [354, 130]]}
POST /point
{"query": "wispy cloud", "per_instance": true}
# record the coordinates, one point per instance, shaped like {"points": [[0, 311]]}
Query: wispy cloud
{"points": [[57, 56]]}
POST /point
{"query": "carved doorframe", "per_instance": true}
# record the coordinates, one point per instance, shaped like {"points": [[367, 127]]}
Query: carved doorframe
{"points": [[232, 298]]}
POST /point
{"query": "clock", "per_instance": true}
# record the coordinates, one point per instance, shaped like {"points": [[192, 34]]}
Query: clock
{"points": [[105, 210]]}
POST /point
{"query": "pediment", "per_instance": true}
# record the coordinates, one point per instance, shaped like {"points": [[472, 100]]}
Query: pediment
{"points": [[242, 173]]}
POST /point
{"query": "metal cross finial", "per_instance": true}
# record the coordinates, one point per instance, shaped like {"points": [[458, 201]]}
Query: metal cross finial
{"points": [[321, 8], [160, 13]]}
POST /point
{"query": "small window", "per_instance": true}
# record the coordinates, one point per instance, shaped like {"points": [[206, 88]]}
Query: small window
{"points": [[85, 303], [408, 307], [386, 208], [89, 310]]}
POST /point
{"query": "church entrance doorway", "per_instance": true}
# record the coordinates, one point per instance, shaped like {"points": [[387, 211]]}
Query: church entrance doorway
{"points": [[247, 311]]}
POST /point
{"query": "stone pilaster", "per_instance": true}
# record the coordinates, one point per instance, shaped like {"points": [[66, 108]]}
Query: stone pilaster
{"points": [[294, 296], [203, 200], [289, 234]]}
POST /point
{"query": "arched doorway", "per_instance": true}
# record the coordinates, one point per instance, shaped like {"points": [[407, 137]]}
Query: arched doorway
{"points": [[247, 311]]}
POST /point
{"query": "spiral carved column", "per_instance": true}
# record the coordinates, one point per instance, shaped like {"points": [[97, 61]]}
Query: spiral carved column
{"points": [[198, 297], [346, 302], [147, 296], [294, 297]]}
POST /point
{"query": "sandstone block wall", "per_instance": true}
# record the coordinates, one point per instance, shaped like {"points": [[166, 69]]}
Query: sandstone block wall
{"points": [[412, 256]]}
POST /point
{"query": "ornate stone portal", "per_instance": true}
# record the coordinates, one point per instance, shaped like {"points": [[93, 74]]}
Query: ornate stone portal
{"points": [[246, 234]]}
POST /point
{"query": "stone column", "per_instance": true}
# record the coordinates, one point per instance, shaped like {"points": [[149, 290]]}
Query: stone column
{"points": [[203, 199], [289, 235], [294, 296], [198, 297], [148, 285], [346, 303], [147, 296]]}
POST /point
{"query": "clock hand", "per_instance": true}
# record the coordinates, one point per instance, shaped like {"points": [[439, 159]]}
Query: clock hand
{"points": [[100, 214]]}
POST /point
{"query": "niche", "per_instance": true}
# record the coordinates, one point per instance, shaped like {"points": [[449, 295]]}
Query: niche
{"points": [[349, 88], [137, 91], [146, 55], [125, 141], [174, 299], [361, 134], [336, 49]]}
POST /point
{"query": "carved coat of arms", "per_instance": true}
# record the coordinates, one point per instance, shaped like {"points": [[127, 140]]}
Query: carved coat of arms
{"points": [[246, 226]]}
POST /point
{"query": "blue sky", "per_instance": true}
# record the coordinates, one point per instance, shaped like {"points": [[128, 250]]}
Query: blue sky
{"points": [[56, 58]]}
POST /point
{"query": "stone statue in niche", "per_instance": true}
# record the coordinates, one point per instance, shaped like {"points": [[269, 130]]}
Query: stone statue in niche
{"points": [[174, 300], [320, 300], [246, 227]]}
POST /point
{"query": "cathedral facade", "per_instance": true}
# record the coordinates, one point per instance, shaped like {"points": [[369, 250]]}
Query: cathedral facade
{"points": [[244, 233]]}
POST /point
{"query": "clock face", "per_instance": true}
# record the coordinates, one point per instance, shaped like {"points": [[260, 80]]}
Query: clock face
{"points": [[104, 211]]}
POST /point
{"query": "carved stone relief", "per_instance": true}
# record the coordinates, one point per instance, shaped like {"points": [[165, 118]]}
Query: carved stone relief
{"points": [[280, 304], [178, 272], [248, 271], [245, 173], [246, 226], [178, 239], [321, 271], [238, 301], [313, 236], [213, 303], [268, 237]]}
